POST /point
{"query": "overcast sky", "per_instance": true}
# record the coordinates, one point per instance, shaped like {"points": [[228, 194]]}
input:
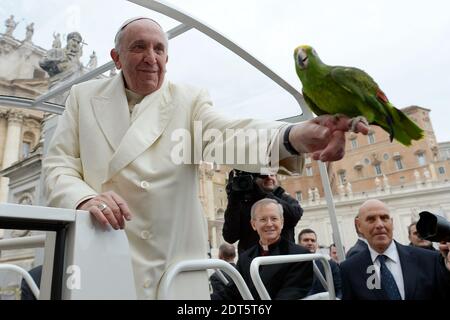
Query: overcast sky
{"points": [[403, 44]]}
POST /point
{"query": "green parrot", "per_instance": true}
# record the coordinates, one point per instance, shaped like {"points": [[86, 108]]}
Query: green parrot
{"points": [[352, 92]]}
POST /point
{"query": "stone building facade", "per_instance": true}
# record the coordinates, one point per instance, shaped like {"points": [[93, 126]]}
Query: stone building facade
{"points": [[410, 179]]}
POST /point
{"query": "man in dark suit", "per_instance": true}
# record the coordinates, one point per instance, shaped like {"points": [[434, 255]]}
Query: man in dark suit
{"points": [[287, 281], [387, 270], [227, 252], [308, 239], [360, 244]]}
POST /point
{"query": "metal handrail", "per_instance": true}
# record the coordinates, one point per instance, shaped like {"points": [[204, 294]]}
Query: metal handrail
{"points": [[268, 260], [200, 265], [26, 103], [26, 276], [319, 275], [37, 241]]}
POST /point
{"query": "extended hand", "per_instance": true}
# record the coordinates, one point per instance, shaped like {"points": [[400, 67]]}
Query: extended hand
{"points": [[324, 136], [108, 208]]}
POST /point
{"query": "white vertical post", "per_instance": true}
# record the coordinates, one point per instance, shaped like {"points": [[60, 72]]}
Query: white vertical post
{"points": [[331, 210]]}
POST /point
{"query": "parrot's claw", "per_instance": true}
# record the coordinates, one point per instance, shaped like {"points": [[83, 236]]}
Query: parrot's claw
{"points": [[337, 116], [355, 122]]}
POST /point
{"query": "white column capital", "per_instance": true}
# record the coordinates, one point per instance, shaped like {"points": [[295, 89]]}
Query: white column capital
{"points": [[15, 117]]}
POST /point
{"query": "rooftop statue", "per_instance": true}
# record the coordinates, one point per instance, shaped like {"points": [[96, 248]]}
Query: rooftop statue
{"points": [[59, 60], [10, 26]]}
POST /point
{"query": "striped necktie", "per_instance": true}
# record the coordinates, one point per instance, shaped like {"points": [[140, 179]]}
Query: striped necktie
{"points": [[387, 280]]}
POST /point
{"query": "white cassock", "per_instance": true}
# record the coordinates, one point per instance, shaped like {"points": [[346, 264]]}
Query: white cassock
{"points": [[97, 148]]}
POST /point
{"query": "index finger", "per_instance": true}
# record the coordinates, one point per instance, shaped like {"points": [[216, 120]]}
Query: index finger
{"points": [[122, 205]]}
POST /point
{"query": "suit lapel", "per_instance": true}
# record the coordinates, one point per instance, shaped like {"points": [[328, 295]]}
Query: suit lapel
{"points": [[144, 131], [112, 113], [409, 270]]}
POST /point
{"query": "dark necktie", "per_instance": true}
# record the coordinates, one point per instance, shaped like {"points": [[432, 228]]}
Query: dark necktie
{"points": [[387, 280]]}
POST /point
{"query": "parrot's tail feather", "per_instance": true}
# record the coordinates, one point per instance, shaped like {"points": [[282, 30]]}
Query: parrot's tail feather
{"points": [[406, 129], [409, 126]]}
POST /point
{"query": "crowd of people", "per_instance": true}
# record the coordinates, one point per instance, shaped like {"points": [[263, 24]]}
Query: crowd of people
{"points": [[112, 156], [377, 267]]}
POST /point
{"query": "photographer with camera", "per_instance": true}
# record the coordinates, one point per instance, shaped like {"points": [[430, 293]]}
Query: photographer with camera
{"points": [[243, 190]]}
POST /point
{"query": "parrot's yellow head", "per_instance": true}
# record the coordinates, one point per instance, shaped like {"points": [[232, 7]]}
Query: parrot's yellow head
{"points": [[303, 54]]}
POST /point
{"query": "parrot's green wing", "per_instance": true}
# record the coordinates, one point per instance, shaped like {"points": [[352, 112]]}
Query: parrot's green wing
{"points": [[376, 107], [360, 84], [314, 108]]}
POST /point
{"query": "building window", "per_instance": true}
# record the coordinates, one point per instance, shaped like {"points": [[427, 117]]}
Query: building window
{"points": [[342, 178], [26, 147], [27, 143], [385, 156], [378, 169], [298, 195], [421, 159], [360, 173], [441, 170], [309, 171], [307, 160], [399, 164], [366, 161], [371, 138], [354, 143]]}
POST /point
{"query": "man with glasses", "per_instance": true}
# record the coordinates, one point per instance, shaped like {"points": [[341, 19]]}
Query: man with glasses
{"points": [[285, 281]]}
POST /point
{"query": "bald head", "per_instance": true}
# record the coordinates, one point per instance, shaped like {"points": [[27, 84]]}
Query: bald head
{"points": [[372, 203]]}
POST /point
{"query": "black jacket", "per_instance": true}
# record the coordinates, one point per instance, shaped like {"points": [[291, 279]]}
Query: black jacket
{"points": [[317, 286], [425, 276], [357, 248], [217, 284], [237, 217], [287, 281]]}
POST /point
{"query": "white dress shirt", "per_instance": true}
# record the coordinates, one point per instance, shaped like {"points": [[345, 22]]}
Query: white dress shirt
{"points": [[392, 263]]}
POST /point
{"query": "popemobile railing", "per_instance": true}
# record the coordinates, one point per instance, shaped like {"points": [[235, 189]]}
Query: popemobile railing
{"points": [[82, 259]]}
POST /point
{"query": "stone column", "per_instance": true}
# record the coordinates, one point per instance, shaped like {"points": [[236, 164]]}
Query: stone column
{"points": [[214, 238], [12, 148]]}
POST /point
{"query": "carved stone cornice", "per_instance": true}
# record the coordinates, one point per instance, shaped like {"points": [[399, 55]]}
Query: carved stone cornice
{"points": [[15, 117]]}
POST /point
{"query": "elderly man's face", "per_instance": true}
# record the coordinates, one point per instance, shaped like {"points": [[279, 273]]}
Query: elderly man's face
{"points": [[376, 225], [268, 223], [142, 56]]}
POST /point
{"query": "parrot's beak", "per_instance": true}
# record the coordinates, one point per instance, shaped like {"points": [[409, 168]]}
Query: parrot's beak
{"points": [[302, 59]]}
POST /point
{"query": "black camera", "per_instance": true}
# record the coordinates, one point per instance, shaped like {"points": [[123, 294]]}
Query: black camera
{"points": [[242, 181], [433, 227]]}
